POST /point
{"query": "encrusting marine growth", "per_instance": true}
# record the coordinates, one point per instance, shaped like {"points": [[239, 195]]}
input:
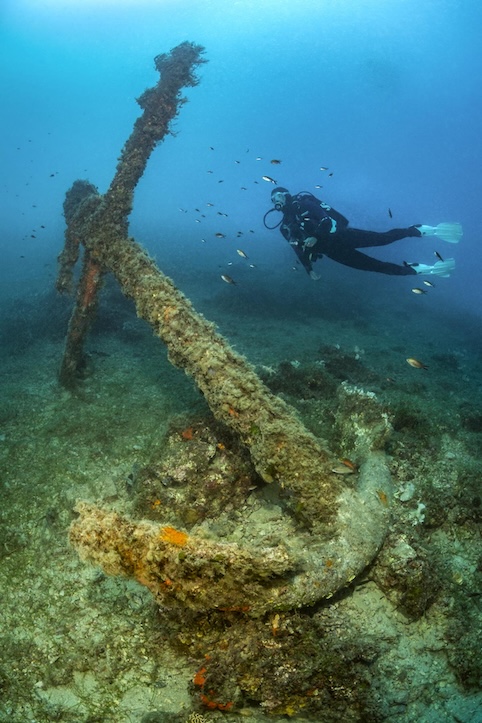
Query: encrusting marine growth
{"points": [[340, 528]]}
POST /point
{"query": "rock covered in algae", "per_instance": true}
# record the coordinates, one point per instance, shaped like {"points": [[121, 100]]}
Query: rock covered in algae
{"points": [[363, 425]]}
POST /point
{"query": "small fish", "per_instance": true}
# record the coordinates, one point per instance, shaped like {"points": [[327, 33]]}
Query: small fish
{"points": [[416, 290], [220, 213], [275, 161], [318, 186], [342, 469], [429, 283], [242, 254], [438, 255], [237, 161], [383, 497], [182, 210], [210, 171], [390, 213], [221, 181], [270, 180], [210, 204], [211, 148], [258, 158], [220, 235], [252, 266], [349, 463], [228, 279], [330, 174], [323, 168], [416, 363], [243, 188]]}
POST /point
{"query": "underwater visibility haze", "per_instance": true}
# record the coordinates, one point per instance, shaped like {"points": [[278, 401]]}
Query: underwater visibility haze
{"points": [[291, 528]]}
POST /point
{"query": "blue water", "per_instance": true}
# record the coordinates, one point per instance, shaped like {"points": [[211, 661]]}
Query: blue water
{"points": [[387, 97]]}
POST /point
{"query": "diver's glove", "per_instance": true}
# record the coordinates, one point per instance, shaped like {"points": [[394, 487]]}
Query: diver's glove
{"points": [[440, 268], [310, 242], [314, 276]]}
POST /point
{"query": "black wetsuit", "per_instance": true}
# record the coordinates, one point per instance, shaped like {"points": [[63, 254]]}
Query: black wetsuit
{"points": [[308, 217]]}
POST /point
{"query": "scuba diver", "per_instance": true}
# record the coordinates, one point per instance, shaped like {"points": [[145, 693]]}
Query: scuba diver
{"points": [[314, 230]]}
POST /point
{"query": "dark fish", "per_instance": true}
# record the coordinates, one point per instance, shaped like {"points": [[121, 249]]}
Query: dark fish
{"points": [[330, 174], [390, 213], [220, 235], [228, 279], [237, 161], [438, 255], [221, 181], [270, 180], [210, 171], [243, 188], [211, 148], [210, 204], [275, 161]]}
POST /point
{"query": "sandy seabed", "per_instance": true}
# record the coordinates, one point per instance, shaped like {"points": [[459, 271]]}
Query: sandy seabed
{"points": [[76, 645]]}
